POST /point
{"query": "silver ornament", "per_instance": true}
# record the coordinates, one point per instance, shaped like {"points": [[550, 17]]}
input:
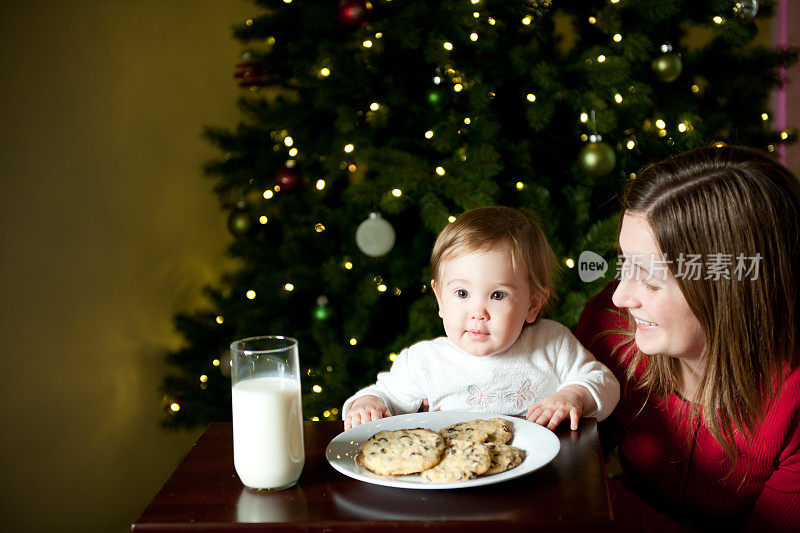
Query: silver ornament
{"points": [[746, 8], [375, 236]]}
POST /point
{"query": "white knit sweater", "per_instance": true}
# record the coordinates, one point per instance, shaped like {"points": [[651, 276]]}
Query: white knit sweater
{"points": [[545, 358]]}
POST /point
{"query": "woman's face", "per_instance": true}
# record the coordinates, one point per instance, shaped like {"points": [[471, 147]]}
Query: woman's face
{"points": [[664, 323]]}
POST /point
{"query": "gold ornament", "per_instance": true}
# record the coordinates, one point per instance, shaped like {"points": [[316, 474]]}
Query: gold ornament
{"points": [[667, 67], [597, 159]]}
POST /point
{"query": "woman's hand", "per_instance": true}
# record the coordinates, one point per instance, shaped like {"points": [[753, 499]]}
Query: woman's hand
{"points": [[365, 409], [570, 402]]}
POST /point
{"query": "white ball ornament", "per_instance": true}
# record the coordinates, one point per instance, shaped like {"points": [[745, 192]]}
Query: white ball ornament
{"points": [[375, 236]]}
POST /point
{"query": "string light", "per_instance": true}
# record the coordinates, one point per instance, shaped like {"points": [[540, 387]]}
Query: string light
{"points": [[215, 362], [317, 389], [174, 407], [203, 378], [288, 287], [451, 219], [660, 124], [349, 148], [718, 20], [764, 116], [601, 58], [617, 37], [467, 120], [397, 193], [584, 117], [784, 135], [249, 22], [526, 20], [268, 194], [219, 319], [491, 21], [353, 341], [382, 288], [319, 227], [695, 88], [325, 72], [682, 127], [569, 262], [476, 14], [520, 185], [251, 294], [531, 97], [263, 219], [320, 185], [592, 20], [374, 106], [630, 145], [367, 44], [440, 171], [392, 356], [293, 152], [429, 134], [473, 37], [458, 87], [288, 141], [448, 45], [618, 98]]}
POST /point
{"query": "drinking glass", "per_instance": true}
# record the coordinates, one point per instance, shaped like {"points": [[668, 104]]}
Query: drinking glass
{"points": [[268, 450]]}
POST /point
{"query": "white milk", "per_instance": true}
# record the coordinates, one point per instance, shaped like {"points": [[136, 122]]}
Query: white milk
{"points": [[267, 432]]}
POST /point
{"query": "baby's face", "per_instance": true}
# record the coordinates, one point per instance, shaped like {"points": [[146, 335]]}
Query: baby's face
{"points": [[483, 301]]}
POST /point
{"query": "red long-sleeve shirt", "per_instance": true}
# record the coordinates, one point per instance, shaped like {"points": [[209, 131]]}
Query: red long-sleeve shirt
{"points": [[689, 478]]}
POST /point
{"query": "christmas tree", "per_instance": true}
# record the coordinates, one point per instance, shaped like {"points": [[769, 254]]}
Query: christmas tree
{"points": [[368, 126]]}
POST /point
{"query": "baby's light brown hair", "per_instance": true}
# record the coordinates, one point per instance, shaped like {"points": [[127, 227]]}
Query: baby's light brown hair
{"points": [[506, 229]]}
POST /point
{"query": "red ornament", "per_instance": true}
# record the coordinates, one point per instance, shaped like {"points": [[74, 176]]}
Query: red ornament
{"points": [[352, 14], [250, 73], [287, 179]]}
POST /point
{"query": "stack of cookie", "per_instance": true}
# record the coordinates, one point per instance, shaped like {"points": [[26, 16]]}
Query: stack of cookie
{"points": [[456, 453]]}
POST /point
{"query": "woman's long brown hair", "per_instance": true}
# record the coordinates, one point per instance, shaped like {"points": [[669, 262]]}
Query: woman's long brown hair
{"points": [[735, 201]]}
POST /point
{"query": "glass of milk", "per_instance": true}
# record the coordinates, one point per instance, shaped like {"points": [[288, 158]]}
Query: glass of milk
{"points": [[268, 450]]}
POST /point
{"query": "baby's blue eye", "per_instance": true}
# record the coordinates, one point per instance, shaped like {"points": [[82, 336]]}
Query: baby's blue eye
{"points": [[499, 295], [462, 293]]}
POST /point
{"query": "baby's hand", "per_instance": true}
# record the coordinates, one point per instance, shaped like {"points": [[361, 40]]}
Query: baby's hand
{"points": [[571, 401], [365, 409]]}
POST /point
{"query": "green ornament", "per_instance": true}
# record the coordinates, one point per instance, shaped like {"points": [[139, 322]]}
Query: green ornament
{"points": [[597, 159], [436, 97], [667, 67], [322, 311]]}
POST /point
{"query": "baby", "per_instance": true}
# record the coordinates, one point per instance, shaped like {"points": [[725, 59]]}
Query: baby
{"points": [[492, 276]]}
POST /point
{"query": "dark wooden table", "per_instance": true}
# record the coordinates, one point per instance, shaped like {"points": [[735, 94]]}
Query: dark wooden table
{"points": [[205, 494]]}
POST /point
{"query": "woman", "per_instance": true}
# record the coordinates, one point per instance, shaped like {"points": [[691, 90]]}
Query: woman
{"points": [[702, 332]]}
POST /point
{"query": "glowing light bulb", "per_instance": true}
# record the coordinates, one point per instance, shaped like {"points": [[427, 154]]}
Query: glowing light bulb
{"points": [[473, 37], [764, 116], [319, 227], [458, 87], [288, 141], [382, 288], [397, 193], [440, 171], [203, 378], [349, 148], [348, 265], [325, 71], [630, 145], [601, 58], [617, 37], [268, 194], [682, 127], [526, 20], [584, 117], [467, 121], [592, 20], [618, 98], [320, 185], [367, 44], [353, 341], [374, 106], [251, 294], [447, 45], [215, 362], [174, 407], [288, 287], [660, 124], [570, 263], [531, 97], [428, 134], [451, 219], [263, 219], [520, 185], [293, 152], [219, 319], [317, 389]]}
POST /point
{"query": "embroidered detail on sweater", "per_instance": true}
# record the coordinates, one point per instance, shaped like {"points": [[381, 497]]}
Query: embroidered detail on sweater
{"points": [[521, 397], [480, 399]]}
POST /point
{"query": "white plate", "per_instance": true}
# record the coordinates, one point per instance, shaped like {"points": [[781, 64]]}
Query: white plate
{"points": [[540, 444]]}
